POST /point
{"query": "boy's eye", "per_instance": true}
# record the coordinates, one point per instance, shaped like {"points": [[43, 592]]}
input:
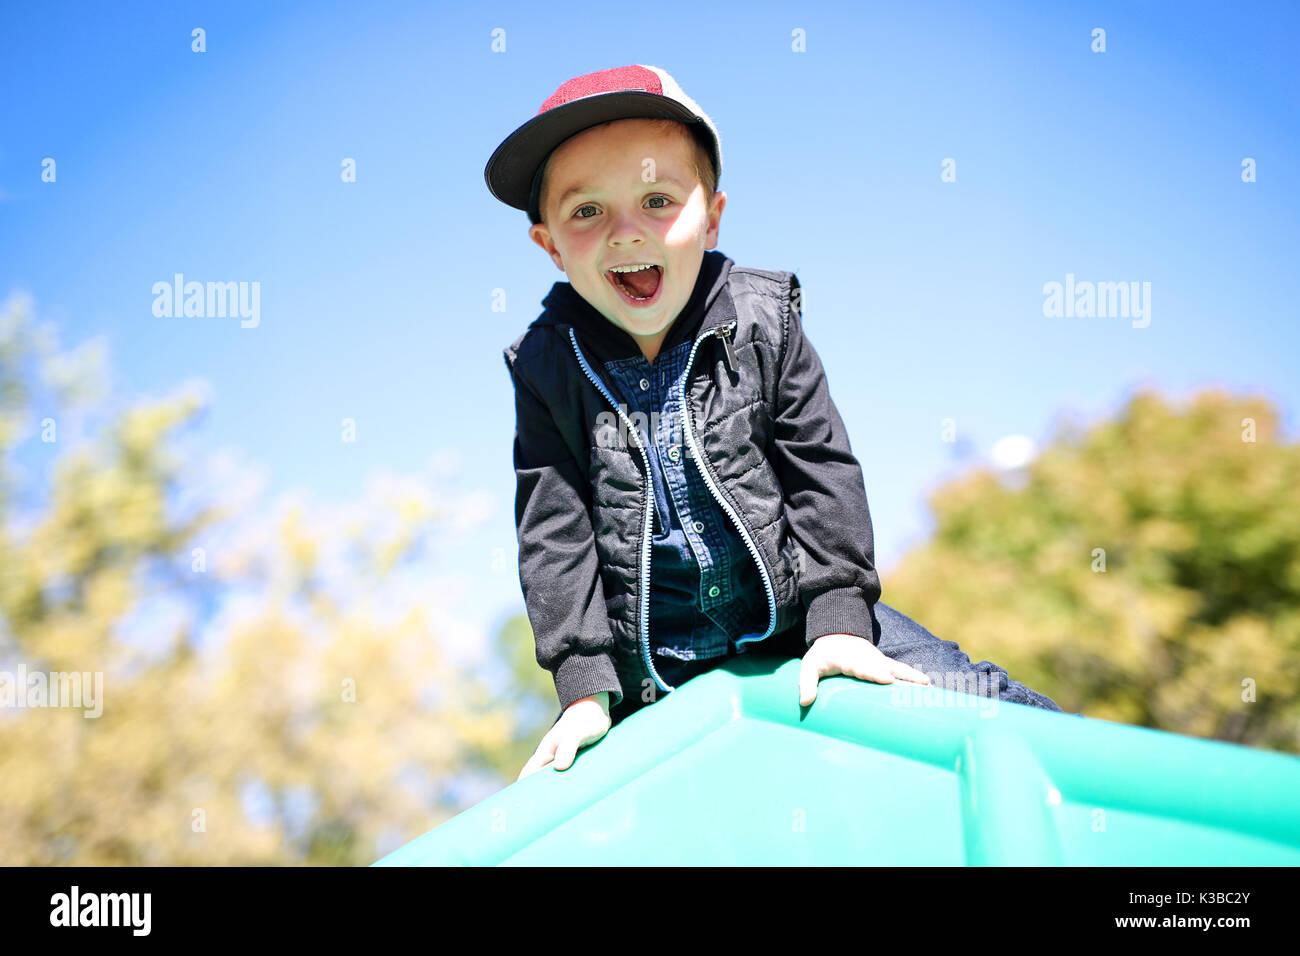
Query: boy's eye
{"points": [[578, 212]]}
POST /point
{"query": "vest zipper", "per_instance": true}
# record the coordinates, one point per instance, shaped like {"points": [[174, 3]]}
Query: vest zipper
{"points": [[644, 616], [724, 332]]}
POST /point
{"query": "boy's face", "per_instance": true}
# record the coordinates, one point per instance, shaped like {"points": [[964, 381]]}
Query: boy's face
{"points": [[599, 212]]}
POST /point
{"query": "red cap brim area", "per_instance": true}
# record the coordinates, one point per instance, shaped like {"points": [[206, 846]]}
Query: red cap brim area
{"points": [[509, 173]]}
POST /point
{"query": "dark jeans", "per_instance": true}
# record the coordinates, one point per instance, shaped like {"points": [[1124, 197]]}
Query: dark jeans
{"points": [[895, 635]]}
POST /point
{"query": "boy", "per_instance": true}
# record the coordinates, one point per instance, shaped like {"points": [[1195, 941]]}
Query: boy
{"points": [[672, 415]]}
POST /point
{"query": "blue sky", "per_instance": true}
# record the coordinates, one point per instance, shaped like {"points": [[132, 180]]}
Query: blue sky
{"points": [[923, 297]]}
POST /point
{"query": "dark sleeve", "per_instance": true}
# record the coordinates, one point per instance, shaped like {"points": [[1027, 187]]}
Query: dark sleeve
{"points": [[825, 497], [558, 567]]}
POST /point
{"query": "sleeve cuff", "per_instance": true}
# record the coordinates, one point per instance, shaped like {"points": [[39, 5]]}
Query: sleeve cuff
{"points": [[838, 611], [581, 675]]}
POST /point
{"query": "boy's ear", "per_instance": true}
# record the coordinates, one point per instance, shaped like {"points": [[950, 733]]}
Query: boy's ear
{"points": [[542, 236], [715, 216]]}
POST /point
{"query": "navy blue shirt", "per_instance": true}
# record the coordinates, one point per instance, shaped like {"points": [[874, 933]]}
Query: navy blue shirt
{"points": [[705, 590]]}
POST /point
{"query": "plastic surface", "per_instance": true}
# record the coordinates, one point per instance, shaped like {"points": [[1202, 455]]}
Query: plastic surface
{"points": [[726, 770]]}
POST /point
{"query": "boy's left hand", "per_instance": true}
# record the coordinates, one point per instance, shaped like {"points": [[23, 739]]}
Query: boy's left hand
{"points": [[851, 656]]}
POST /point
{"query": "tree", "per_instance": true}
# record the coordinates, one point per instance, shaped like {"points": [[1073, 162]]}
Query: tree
{"points": [[1146, 570], [273, 689]]}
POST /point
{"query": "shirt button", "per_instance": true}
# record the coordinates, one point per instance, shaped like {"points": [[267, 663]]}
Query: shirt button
{"points": [[645, 383], [699, 527], [714, 591], [675, 453]]}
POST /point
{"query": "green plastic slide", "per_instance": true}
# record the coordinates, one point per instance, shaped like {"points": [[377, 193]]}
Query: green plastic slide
{"points": [[730, 770]]}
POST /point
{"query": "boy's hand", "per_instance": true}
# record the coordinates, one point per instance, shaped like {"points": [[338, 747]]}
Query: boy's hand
{"points": [[583, 723], [852, 656]]}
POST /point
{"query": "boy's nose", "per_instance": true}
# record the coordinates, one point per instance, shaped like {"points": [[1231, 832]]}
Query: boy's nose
{"points": [[624, 229]]}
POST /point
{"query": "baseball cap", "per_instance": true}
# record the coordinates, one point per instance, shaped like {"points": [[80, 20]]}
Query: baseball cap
{"points": [[513, 173]]}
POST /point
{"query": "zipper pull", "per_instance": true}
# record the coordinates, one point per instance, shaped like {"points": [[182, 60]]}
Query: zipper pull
{"points": [[725, 332]]}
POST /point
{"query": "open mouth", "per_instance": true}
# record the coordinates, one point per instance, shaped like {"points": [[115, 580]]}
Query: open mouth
{"points": [[640, 288]]}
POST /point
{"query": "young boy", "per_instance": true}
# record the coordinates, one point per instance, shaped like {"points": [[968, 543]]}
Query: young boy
{"points": [[672, 417]]}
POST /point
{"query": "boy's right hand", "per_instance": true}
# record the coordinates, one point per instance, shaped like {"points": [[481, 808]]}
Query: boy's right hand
{"points": [[583, 723]]}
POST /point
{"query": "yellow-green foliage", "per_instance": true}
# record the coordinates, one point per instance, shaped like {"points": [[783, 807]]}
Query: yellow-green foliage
{"points": [[1193, 626], [350, 718]]}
